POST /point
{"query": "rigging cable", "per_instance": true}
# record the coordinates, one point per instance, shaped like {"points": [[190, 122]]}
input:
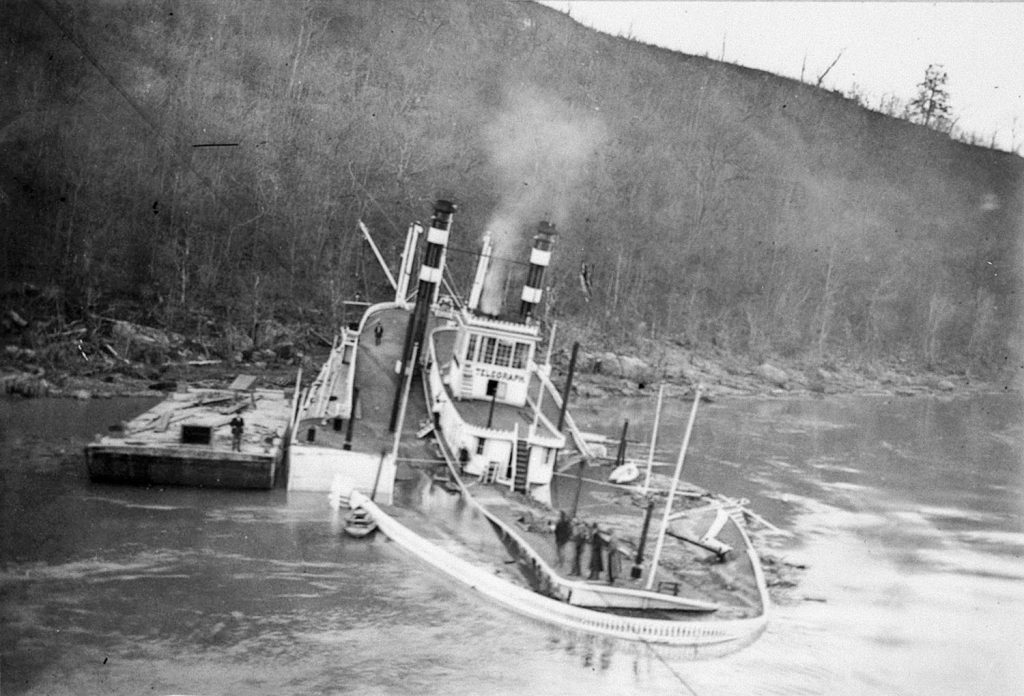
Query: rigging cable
{"points": [[471, 252], [80, 44]]}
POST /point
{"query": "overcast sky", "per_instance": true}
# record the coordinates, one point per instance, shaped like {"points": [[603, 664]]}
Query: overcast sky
{"points": [[885, 47]]}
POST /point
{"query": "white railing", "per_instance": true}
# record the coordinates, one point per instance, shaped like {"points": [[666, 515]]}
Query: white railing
{"points": [[577, 436], [704, 637], [317, 397]]}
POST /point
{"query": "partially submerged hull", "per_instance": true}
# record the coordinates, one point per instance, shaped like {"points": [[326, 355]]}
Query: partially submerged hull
{"points": [[341, 428], [726, 610], [703, 638]]}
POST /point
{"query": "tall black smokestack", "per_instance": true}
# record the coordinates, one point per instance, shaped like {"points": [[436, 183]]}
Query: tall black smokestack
{"points": [[430, 281], [540, 257]]}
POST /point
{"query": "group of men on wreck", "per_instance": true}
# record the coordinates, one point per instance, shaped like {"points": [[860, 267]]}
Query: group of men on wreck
{"points": [[604, 553]]}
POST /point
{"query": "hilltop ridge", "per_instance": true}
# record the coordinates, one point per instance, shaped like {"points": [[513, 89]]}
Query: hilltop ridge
{"points": [[202, 164]]}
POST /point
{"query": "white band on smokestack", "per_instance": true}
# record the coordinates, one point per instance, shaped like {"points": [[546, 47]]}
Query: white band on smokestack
{"points": [[438, 236], [532, 295], [540, 257], [431, 275]]}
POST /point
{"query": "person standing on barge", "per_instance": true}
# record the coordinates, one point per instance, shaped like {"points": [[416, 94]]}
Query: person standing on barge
{"points": [[237, 427]]}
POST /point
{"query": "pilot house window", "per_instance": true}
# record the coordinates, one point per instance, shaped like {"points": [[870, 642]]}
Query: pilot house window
{"points": [[498, 352], [503, 358], [519, 359], [487, 352]]}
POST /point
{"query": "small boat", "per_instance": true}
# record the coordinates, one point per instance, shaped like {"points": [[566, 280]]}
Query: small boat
{"points": [[625, 473], [359, 523]]}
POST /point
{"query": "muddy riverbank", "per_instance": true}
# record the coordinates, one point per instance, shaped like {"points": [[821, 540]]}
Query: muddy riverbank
{"points": [[120, 358], [598, 376]]}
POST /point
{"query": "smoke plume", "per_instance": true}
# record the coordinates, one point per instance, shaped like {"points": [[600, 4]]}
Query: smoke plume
{"points": [[539, 149]]}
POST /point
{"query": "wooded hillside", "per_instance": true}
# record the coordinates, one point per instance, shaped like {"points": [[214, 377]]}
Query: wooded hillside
{"points": [[206, 161]]}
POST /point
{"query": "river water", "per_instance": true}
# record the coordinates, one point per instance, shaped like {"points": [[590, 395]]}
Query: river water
{"points": [[905, 512]]}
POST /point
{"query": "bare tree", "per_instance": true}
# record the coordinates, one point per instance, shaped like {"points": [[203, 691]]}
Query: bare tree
{"points": [[931, 107], [831, 65], [891, 105], [857, 94]]}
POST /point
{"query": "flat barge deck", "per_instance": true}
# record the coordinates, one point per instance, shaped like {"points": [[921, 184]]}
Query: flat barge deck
{"points": [[186, 440]]}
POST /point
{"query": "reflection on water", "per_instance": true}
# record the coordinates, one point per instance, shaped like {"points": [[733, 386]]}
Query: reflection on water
{"points": [[907, 513]]}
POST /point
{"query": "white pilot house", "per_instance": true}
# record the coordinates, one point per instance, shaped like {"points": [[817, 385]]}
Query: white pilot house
{"points": [[488, 391]]}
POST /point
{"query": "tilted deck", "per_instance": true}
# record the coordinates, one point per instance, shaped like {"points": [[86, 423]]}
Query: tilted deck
{"points": [[368, 400], [704, 638], [342, 428]]}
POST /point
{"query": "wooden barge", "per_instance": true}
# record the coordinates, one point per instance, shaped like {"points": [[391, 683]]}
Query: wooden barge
{"points": [[187, 440]]}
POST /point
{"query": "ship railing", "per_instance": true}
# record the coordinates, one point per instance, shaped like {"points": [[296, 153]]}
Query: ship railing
{"points": [[316, 389], [452, 420], [457, 427], [705, 638], [557, 439], [318, 398], [577, 435], [293, 418], [340, 365]]}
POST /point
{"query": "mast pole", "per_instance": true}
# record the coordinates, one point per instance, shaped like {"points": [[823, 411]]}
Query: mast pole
{"points": [[568, 385], [654, 439], [561, 423], [620, 456], [672, 491], [405, 402], [376, 252], [408, 259], [540, 382], [481, 272]]}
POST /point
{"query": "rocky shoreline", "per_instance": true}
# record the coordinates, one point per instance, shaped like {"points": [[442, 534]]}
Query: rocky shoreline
{"points": [[723, 375], [107, 358], [598, 376], [39, 383]]}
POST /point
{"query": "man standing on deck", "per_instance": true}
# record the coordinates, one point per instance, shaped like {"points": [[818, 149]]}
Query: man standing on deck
{"points": [[563, 532], [596, 549], [237, 426], [378, 332], [614, 558], [579, 537]]}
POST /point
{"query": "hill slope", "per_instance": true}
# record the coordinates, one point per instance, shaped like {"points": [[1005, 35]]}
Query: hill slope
{"points": [[214, 156]]}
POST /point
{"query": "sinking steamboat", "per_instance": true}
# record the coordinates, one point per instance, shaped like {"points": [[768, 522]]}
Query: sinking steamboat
{"points": [[505, 436]]}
